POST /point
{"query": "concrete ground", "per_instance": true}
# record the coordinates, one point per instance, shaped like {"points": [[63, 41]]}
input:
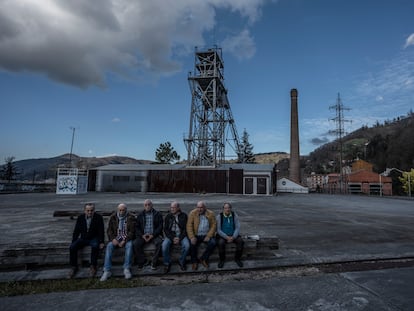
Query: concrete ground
{"points": [[337, 252]]}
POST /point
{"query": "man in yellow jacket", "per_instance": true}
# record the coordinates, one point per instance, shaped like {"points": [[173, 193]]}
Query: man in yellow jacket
{"points": [[201, 228]]}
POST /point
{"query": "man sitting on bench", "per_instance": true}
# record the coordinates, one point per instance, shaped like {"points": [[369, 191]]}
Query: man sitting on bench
{"points": [[228, 229], [89, 231], [121, 233], [201, 228], [175, 234], [149, 229]]}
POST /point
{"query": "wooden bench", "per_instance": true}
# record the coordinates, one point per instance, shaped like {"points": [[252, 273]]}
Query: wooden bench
{"points": [[37, 255], [33, 256]]}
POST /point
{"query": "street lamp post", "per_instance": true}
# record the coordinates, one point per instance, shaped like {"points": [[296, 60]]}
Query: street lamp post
{"points": [[71, 145], [380, 185]]}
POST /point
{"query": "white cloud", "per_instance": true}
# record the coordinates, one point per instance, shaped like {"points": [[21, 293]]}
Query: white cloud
{"points": [[79, 42], [116, 120], [241, 45], [388, 90], [409, 41], [247, 8]]}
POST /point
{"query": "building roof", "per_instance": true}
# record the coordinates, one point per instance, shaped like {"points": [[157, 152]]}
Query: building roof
{"points": [[367, 176], [139, 167], [154, 167], [249, 166]]}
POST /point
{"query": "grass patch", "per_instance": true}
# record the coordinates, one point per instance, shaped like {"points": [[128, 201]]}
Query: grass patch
{"points": [[17, 288]]}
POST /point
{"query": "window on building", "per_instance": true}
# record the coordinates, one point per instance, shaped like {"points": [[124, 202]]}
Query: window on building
{"points": [[120, 178]]}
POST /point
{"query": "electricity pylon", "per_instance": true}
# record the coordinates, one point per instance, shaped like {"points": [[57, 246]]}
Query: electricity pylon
{"points": [[339, 132]]}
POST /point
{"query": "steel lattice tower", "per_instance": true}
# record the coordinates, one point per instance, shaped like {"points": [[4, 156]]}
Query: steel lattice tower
{"points": [[339, 132], [211, 118]]}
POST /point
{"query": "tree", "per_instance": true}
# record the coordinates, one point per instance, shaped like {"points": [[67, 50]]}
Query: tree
{"points": [[9, 169], [165, 153], [246, 150], [407, 180]]}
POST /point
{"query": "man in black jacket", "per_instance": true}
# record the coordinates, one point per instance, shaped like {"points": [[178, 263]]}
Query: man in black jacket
{"points": [[148, 230], [175, 234], [89, 231]]}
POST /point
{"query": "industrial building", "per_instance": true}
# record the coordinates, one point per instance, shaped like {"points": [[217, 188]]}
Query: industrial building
{"points": [[237, 178]]}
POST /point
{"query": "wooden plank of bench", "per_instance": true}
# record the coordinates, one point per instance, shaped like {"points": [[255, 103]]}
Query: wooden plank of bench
{"points": [[55, 254]]}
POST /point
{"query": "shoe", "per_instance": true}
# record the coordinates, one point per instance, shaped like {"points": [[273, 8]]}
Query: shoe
{"points": [[141, 265], [204, 263], [195, 266], [92, 271], [145, 263], [239, 263], [183, 267], [127, 274], [72, 272], [106, 275], [153, 267], [167, 268], [220, 264]]}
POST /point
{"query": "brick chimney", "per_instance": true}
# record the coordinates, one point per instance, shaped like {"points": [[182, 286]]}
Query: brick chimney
{"points": [[294, 162]]}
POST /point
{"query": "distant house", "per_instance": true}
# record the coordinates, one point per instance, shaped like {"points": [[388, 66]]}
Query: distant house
{"points": [[238, 178], [315, 182], [361, 165], [361, 179], [368, 182]]}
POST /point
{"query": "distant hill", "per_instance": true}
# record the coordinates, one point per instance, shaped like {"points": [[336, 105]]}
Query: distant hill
{"points": [[270, 157], [44, 168], [390, 144]]}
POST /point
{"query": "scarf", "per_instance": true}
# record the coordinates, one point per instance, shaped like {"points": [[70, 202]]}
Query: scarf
{"points": [[122, 225]]}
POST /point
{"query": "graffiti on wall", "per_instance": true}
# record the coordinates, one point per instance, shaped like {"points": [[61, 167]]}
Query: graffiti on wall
{"points": [[66, 185]]}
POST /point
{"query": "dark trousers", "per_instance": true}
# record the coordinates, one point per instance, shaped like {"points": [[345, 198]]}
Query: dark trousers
{"points": [[222, 248], [211, 244], [80, 243], [139, 244]]}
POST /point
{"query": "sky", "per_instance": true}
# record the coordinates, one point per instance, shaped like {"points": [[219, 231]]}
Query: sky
{"points": [[115, 72]]}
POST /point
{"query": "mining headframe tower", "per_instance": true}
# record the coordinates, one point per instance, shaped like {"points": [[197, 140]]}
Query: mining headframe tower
{"points": [[212, 126]]}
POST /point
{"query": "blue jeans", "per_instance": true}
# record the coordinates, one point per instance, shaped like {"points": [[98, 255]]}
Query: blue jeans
{"points": [[166, 247], [108, 255]]}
